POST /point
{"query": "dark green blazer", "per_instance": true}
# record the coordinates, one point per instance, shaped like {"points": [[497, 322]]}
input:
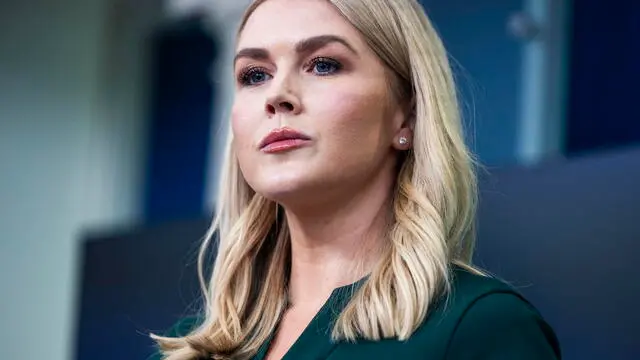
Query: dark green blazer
{"points": [[482, 319]]}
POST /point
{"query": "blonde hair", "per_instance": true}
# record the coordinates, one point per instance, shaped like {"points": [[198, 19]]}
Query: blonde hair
{"points": [[434, 206]]}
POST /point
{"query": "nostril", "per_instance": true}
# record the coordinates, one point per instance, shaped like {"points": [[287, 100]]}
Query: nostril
{"points": [[271, 109], [287, 105]]}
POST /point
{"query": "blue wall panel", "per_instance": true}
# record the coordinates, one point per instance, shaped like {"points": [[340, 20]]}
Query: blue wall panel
{"points": [[487, 63], [180, 126]]}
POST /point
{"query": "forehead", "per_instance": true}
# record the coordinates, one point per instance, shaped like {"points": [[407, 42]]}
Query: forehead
{"points": [[285, 22]]}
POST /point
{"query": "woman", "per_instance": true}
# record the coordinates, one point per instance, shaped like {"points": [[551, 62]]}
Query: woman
{"points": [[347, 205]]}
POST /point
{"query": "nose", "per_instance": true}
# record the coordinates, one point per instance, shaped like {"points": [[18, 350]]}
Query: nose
{"points": [[283, 101], [283, 106]]}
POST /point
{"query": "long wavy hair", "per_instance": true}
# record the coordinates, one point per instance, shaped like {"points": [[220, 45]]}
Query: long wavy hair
{"points": [[432, 227]]}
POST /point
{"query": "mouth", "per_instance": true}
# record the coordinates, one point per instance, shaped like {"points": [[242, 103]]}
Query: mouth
{"points": [[283, 139]]}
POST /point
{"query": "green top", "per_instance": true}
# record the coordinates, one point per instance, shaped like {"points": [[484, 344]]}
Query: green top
{"points": [[483, 319]]}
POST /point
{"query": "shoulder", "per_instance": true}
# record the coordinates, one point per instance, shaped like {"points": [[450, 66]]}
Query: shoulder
{"points": [[485, 318], [493, 320]]}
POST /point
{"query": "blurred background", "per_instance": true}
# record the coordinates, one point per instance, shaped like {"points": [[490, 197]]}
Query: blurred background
{"points": [[111, 113]]}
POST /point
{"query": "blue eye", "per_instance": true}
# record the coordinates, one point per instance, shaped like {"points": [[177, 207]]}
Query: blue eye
{"points": [[325, 66], [253, 76]]}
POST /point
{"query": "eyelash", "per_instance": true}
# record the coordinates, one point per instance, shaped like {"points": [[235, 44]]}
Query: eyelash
{"points": [[321, 59], [245, 76]]}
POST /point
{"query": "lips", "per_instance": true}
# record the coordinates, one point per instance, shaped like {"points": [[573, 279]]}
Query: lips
{"points": [[283, 139]]}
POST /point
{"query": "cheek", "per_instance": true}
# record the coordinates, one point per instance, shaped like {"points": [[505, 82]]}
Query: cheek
{"points": [[243, 130], [244, 123], [356, 123], [239, 124]]}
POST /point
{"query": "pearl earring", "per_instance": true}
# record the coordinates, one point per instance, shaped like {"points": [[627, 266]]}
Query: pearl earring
{"points": [[403, 140]]}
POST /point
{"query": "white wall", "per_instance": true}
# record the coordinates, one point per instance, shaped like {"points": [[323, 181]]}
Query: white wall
{"points": [[71, 146]]}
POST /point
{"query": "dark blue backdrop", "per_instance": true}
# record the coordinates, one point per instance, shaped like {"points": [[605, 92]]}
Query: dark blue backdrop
{"points": [[604, 70]]}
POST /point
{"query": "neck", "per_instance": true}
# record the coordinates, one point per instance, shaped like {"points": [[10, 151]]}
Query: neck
{"points": [[336, 244]]}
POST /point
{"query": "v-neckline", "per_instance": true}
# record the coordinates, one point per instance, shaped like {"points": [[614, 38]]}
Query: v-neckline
{"points": [[315, 340]]}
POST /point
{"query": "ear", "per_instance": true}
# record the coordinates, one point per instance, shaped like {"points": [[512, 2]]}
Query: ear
{"points": [[403, 139], [404, 125], [410, 120]]}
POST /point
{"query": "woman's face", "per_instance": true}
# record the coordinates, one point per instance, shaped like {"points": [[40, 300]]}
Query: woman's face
{"points": [[313, 115]]}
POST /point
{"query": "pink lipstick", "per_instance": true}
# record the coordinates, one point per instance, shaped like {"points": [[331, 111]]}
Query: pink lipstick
{"points": [[283, 139]]}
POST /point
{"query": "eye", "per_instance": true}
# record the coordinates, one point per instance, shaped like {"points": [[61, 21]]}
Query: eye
{"points": [[324, 66], [253, 76]]}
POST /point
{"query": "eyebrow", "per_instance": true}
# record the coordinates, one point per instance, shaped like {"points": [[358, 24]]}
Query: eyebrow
{"points": [[302, 47]]}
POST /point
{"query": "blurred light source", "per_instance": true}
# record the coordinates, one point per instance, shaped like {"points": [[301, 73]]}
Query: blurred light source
{"points": [[522, 26]]}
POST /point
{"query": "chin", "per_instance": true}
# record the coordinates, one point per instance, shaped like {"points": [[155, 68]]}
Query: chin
{"points": [[283, 188]]}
